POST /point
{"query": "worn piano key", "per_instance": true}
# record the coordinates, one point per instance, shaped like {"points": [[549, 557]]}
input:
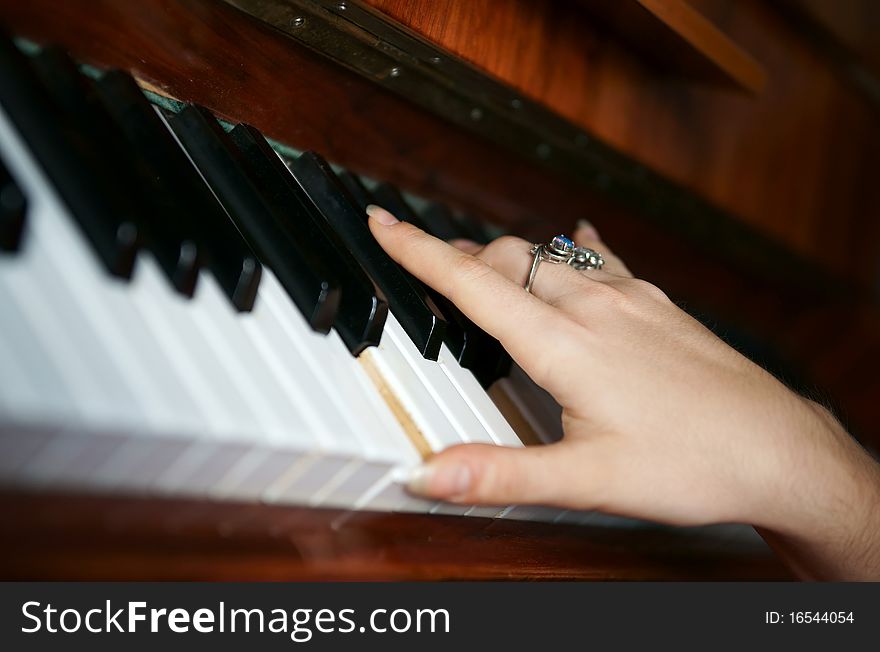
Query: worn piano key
{"points": [[408, 301], [445, 390], [309, 281], [67, 156], [362, 308], [473, 416], [13, 206], [473, 347]]}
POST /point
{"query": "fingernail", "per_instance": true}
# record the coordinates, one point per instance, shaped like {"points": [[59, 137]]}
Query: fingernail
{"points": [[381, 215], [588, 229], [440, 480]]}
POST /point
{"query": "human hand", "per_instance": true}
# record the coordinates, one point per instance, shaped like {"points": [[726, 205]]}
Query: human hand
{"points": [[662, 420]]}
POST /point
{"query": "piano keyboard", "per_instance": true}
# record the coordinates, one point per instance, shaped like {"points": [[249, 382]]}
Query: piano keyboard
{"points": [[185, 312]]}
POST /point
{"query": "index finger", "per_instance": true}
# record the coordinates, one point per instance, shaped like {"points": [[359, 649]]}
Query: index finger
{"points": [[495, 304]]}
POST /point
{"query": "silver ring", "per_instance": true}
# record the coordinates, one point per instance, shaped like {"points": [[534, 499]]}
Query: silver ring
{"points": [[562, 249]]}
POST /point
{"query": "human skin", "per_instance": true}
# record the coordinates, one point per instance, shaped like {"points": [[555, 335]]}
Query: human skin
{"points": [[662, 420]]}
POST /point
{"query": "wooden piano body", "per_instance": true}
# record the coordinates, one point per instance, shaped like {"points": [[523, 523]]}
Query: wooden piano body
{"points": [[732, 168]]}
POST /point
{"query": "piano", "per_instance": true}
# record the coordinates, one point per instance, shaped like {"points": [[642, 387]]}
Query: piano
{"points": [[208, 367]]}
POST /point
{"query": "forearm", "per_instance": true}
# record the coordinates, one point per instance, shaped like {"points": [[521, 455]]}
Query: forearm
{"points": [[830, 525]]}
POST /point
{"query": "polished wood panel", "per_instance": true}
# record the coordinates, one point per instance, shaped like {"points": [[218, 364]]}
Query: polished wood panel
{"points": [[91, 537], [673, 36], [794, 161]]}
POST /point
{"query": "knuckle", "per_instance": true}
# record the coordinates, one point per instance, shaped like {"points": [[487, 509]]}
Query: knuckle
{"points": [[504, 248], [469, 269], [605, 293], [499, 479], [508, 243], [650, 290]]}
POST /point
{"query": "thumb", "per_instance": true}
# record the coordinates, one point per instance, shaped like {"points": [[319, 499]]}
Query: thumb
{"points": [[497, 475]]}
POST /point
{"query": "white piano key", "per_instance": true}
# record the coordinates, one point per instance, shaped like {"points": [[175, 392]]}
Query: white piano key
{"points": [[67, 276], [451, 509], [389, 494], [351, 482], [539, 513], [342, 380], [138, 462], [30, 386], [19, 443], [204, 477], [481, 511], [170, 317], [234, 351], [303, 392], [106, 307], [478, 400], [55, 324], [465, 423], [306, 479], [277, 470], [69, 458]]}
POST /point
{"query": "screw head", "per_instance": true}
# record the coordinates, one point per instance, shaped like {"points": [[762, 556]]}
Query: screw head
{"points": [[543, 150], [476, 113], [395, 72], [435, 60], [516, 104], [299, 21], [341, 6]]}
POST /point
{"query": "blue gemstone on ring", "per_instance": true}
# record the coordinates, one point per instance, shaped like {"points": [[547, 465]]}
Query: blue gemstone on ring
{"points": [[562, 243]]}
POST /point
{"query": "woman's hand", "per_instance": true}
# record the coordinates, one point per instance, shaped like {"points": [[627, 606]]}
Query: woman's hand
{"points": [[662, 420]]}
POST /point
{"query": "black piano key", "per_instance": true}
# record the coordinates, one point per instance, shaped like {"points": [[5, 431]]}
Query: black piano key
{"points": [[474, 349], [473, 230], [412, 307], [362, 308], [308, 280], [458, 328], [221, 248], [442, 223], [358, 191], [168, 228], [68, 159], [13, 207], [494, 362], [156, 213]]}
